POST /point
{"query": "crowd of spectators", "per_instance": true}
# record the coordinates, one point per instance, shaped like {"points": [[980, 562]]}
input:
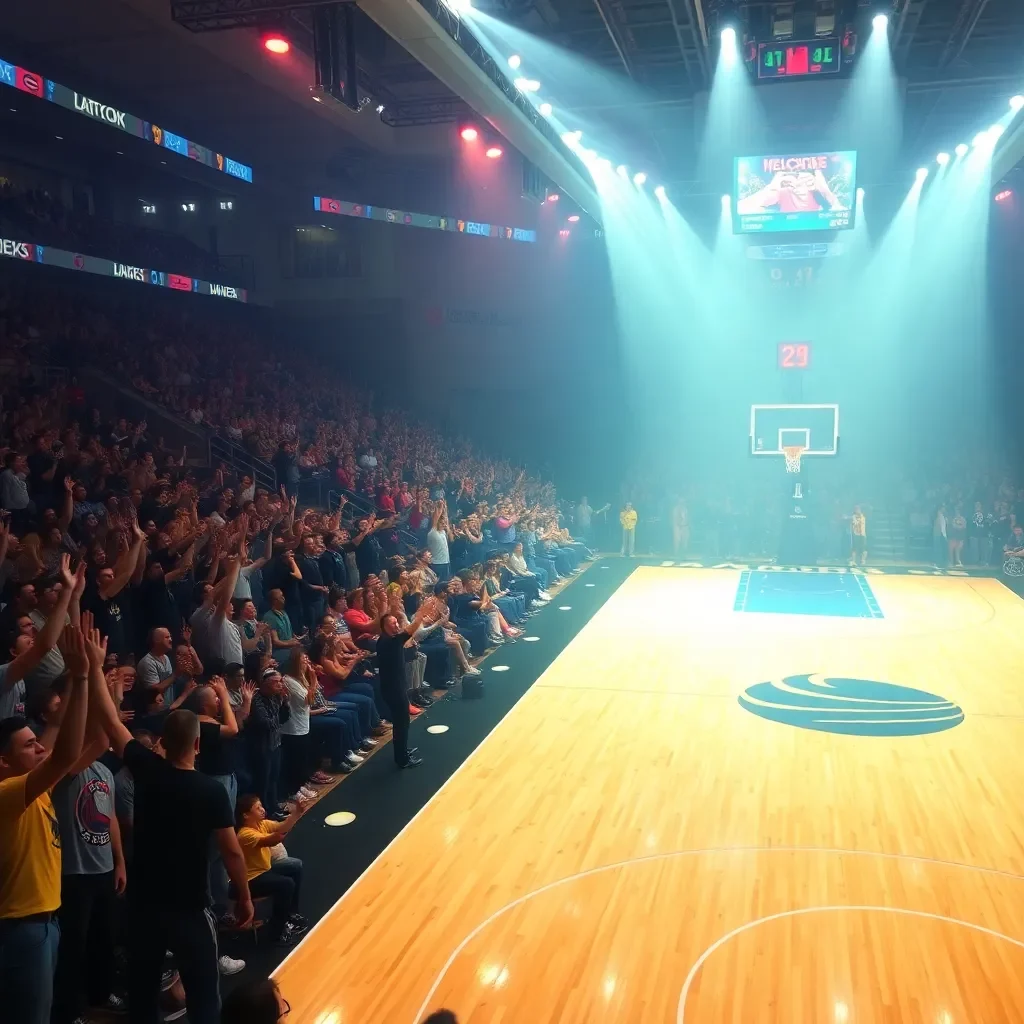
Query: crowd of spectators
{"points": [[189, 658]]}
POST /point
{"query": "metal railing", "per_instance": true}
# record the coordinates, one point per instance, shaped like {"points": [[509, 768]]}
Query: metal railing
{"points": [[362, 506], [242, 461]]}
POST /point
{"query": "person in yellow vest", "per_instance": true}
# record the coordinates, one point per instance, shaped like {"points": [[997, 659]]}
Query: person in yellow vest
{"points": [[627, 517], [858, 536], [30, 859]]}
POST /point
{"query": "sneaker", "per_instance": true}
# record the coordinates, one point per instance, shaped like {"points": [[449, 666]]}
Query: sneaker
{"points": [[113, 1004], [171, 1015], [471, 671], [544, 596], [298, 919], [228, 966], [414, 711], [413, 762], [290, 934], [341, 769], [321, 779], [367, 744], [353, 758]]}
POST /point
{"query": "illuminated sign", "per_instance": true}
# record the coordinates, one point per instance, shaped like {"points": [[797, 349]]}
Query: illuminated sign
{"points": [[45, 88], [14, 249], [100, 111], [322, 204]]}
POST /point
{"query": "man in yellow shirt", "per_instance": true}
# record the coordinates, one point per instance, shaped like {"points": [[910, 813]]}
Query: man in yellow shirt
{"points": [[627, 517], [30, 845]]}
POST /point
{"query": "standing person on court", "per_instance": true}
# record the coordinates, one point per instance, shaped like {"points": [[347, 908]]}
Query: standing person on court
{"points": [[680, 527], [178, 811], [627, 519], [858, 536], [30, 849], [391, 668]]}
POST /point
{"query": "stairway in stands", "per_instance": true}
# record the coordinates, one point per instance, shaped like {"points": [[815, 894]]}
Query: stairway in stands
{"points": [[887, 535]]}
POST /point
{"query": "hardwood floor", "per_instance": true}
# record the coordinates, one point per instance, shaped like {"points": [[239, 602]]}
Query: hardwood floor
{"points": [[631, 844]]}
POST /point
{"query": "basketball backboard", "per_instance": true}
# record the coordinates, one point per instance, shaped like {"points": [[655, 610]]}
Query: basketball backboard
{"points": [[813, 427]]}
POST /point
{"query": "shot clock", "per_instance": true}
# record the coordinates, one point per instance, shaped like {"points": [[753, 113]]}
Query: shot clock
{"points": [[794, 355]]}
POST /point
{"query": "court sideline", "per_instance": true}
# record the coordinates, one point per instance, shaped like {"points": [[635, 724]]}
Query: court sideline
{"points": [[629, 817]]}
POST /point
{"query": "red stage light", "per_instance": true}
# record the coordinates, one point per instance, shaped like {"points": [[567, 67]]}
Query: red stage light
{"points": [[574, 218], [469, 134], [563, 232], [493, 153], [553, 198], [277, 44], [1001, 197]]}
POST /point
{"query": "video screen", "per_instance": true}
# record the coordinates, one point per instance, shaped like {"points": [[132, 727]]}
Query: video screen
{"points": [[794, 192]]}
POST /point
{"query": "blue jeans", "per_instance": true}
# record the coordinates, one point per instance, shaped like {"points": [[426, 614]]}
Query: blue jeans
{"points": [[219, 873], [28, 959], [362, 705], [265, 768], [335, 734]]}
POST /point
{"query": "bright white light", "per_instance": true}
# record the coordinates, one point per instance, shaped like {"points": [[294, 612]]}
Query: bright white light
{"points": [[997, 131], [922, 173], [860, 195], [639, 178], [730, 51], [572, 138], [587, 154], [660, 191], [942, 159], [980, 139], [604, 164], [961, 150], [622, 171], [380, 108], [880, 22], [1016, 102], [514, 61], [727, 200], [459, 6], [526, 84], [545, 109]]}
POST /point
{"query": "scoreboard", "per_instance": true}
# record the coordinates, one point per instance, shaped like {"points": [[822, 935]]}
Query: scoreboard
{"points": [[799, 58]]}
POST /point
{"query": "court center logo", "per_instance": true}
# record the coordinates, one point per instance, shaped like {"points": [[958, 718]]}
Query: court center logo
{"points": [[853, 707]]}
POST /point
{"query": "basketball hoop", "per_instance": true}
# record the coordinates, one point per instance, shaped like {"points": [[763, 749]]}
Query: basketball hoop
{"points": [[793, 453]]}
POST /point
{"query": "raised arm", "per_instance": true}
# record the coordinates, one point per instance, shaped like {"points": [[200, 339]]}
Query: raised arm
{"points": [[71, 736], [124, 567], [104, 712], [46, 638], [67, 506], [229, 727], [182, 566], [226, 587]]}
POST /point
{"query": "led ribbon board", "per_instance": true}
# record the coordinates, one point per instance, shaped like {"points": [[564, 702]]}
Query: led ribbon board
{"points": [[46, 89]]}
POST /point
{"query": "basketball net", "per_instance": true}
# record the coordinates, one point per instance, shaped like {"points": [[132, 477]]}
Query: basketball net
{"points": [[793, 453]]}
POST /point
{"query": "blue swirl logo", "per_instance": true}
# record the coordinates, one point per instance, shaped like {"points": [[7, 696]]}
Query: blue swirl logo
{"points": [[853, 707]]}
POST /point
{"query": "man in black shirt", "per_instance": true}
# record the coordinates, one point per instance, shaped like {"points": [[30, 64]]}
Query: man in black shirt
{"points": [[104, 598], [313, 587], [177, 812], [391, 645]]}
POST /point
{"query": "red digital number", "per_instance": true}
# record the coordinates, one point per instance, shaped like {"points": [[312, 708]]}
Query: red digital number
{"points": [[794, 355]]}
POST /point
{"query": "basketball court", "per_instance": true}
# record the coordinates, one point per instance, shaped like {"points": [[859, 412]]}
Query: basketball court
{"points": [[711, 808]]}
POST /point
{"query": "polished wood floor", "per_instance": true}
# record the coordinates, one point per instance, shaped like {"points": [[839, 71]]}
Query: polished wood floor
{"points": [[631, 845]]}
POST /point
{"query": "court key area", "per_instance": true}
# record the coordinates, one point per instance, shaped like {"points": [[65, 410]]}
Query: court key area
{"points": [[730, 798]]}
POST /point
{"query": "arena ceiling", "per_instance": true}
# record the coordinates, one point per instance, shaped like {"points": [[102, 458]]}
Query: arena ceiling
{"points": [[957, 57]]}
